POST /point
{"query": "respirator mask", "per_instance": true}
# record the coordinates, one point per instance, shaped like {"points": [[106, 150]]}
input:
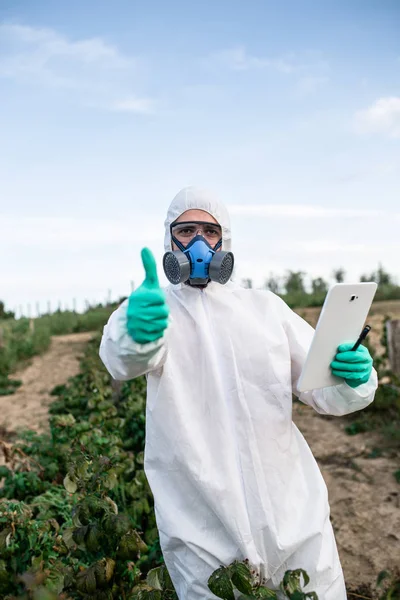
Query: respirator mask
{"points": [[197, 260]]}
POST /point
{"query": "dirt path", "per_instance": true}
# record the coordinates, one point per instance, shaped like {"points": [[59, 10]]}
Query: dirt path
{"points": [[27, 408], [364, 496]]}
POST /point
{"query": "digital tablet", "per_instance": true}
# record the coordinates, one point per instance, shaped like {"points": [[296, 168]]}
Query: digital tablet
{"points": [[342, 319]]}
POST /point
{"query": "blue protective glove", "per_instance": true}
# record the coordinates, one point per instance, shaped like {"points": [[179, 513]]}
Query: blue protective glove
{"points": [[354, 366], [147, 314]]}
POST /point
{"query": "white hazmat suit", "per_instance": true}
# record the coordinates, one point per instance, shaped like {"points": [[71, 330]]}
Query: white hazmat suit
{"points": [[231, 474]]}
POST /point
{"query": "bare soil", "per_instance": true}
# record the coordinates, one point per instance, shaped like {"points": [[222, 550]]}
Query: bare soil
{"points": [[27, 408], [363, 494]]}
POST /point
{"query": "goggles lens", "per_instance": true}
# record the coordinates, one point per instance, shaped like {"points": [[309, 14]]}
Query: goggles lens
{"points": [[184, 232]]}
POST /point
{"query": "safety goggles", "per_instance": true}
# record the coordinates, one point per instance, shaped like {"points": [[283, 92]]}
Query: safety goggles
{"points": [[185, 231]]}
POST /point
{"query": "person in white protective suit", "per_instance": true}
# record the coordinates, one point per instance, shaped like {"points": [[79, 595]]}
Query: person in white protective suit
{"points": [[231, 474]]}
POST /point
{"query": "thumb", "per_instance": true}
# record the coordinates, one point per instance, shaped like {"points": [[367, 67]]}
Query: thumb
{"points": [[150, 267]]}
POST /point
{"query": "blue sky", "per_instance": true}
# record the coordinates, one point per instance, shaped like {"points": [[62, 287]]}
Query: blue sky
{"points": [[289, 111]]}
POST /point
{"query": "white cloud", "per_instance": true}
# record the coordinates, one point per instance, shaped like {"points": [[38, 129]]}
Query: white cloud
{"points": [[311, 84], [96, 72], [338, 248], [238, 59], [310, 70], [48, 43], [381, 117], [299, 210], [57, 232], [135, 105]]}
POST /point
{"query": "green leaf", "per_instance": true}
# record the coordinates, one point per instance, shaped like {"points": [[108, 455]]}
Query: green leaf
{"points": [[381, 576], [264, 592], [68, 537], [110, 480], [93, 538], [104, 571], [296, 595], [145, 592], [241, 577], [165, 578], [153, 578], [70, 485], [292, 581], [55, 580], [220, 584], [86, 581], [78, 535]]}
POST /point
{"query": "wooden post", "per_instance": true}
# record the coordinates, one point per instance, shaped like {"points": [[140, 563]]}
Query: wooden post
{"points": [[393, 337], [31, 325], [116, 387]]}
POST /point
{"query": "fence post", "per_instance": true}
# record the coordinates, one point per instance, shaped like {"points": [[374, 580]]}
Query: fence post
{"points": [[393, 337], [31, 325], [116, 387]]}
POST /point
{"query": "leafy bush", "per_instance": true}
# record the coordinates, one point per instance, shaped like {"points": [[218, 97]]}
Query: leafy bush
{"points": [[383, 414], [24, 338], [241, 577]]}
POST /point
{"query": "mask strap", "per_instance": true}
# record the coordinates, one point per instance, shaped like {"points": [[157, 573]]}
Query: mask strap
{"points": [[218, 245], [178, 243]]}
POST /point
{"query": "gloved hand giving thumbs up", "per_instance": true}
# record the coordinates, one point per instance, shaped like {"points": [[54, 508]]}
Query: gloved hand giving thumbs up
{"points": [[147, 315]]}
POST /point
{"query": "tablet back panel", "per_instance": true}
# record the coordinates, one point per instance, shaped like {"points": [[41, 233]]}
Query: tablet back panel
{"points": [[342, 319]]}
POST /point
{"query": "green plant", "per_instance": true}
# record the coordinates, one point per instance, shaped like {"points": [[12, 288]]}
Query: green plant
{"points": [[392, 580], [242, 577], [383, 414]]}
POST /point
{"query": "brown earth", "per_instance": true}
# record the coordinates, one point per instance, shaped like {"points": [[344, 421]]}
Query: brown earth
{"points": [[363, 494], [27, 408]]}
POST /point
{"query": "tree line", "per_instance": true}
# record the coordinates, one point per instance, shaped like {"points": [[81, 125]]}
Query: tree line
{"points": [[293, 288]]}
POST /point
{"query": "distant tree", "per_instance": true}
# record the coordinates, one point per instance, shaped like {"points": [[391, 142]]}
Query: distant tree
{"points": [[247, 283], [339, 275], [380, 276], [273, 284], [4, 314], [319, 286], [383, 277], [294, 282]]}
